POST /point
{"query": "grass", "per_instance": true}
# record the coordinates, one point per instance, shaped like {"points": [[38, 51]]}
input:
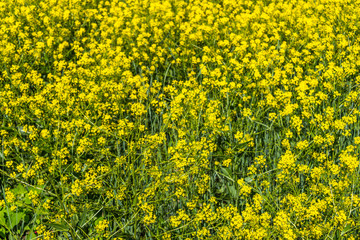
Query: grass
{"points": [[179, 119]]}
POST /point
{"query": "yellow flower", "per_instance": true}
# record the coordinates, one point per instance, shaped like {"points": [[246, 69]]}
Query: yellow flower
{"points": [[246, 112], [226, 162], [302, 145], [20, 168], [102, 225]]}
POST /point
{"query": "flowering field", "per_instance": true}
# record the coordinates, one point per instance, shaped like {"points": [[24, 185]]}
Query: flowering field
{"points": [[169, 119]]}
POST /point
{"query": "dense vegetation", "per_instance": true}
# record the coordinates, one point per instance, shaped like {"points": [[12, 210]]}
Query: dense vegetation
{"points": [[173, 119]]}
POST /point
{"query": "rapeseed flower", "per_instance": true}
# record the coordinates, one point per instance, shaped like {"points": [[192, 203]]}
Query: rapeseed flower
{"points": [[180, 119]]}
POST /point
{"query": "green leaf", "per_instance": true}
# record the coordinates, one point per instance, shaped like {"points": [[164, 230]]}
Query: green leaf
{"points": [[346, 229], [233, 191], [32, 235], [123, 235], [19, 189], [83, 218], [227, 172], [2, 218], [27, 200], [63, 227], [248, 179], [15, 218], [2, 233], [134, 203]]}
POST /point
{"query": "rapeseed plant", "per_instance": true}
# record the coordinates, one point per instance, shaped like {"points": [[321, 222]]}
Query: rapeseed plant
{"points": [[212, 119]]}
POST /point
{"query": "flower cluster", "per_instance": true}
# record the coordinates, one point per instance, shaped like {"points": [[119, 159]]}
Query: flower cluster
{"points": [[177, 119]]}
